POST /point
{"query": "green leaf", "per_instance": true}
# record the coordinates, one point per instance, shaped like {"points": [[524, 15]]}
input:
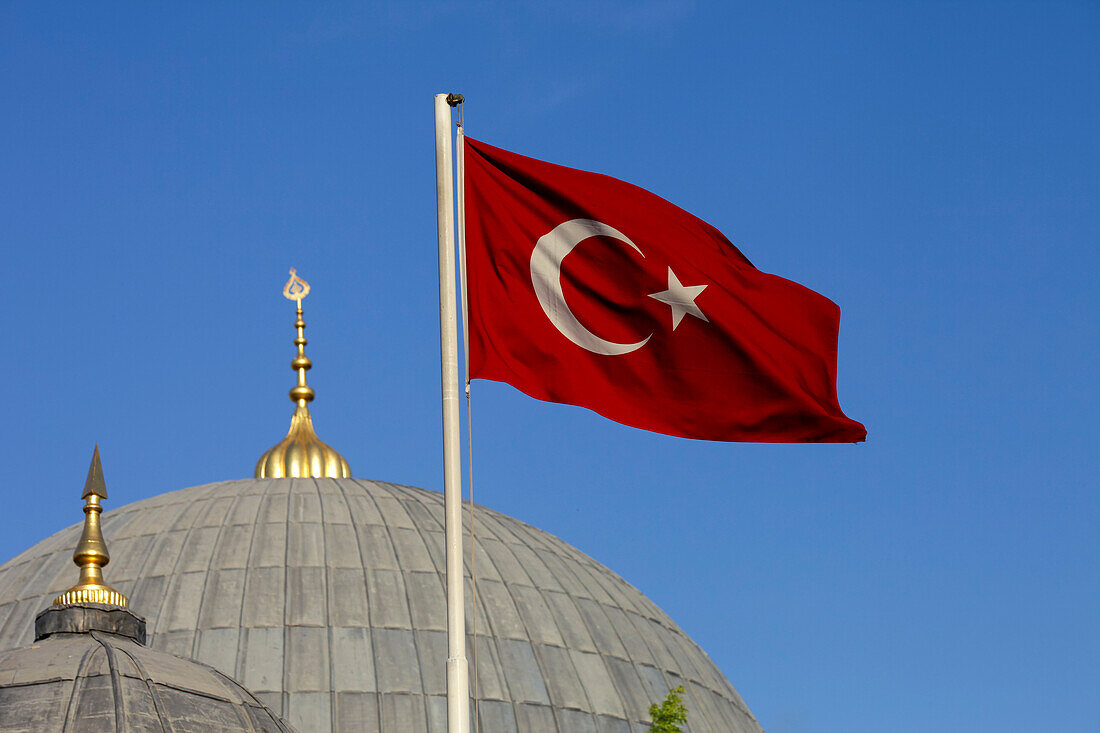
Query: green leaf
{"points": [[670, 714]]}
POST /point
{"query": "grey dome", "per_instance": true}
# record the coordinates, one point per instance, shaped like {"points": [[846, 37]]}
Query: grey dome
{"points": [[94, 681], [325, 597]]}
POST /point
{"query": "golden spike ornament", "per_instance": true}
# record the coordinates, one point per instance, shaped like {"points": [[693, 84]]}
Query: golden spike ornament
{"points": [[91, 551], [301, 453]]}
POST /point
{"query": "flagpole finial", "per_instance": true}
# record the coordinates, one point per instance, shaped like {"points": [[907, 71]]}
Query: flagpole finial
{"points": [[301, 453], [91, 553]]}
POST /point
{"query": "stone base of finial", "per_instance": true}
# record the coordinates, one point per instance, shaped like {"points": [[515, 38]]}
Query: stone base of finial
{"points": [[92, 594], [83, 618]]}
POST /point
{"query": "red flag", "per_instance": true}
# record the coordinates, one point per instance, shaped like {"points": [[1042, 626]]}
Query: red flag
{"points": [[590, 291]]}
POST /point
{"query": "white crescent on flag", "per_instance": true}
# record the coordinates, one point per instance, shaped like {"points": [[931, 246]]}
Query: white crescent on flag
{"points": [[546, 261]]}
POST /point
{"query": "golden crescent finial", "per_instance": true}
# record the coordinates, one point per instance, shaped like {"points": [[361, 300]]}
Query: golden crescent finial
{"points": [[296, 288], [301, 453]]}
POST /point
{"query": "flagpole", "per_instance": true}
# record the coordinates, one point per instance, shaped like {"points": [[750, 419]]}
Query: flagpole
{"points": [[460, 157], [458, 681]]}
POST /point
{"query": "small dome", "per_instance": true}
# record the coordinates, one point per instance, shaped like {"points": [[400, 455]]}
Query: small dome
{"points": [[87, 672]]}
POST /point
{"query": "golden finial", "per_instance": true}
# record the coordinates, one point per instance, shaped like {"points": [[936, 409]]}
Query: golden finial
{"points": [[295, 289], [301, 453], [91, 551]]}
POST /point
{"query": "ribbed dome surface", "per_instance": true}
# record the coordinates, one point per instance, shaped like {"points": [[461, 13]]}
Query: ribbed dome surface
{"points": [[325, 597], [96, 682]]}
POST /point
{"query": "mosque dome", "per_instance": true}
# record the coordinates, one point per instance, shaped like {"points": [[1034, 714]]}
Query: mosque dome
{"points": [[89, 671], [325, 598]]}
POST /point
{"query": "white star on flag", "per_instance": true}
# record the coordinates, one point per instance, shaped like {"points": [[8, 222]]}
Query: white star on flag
{"points": [[681, 299]]}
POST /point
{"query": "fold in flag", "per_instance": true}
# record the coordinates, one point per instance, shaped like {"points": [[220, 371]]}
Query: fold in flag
{"points": [[589, 291]]}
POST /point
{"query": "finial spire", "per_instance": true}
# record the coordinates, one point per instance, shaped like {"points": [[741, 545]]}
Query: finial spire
{"points": [[301, 453], [91, 551], [295, 289], [94, 483]]}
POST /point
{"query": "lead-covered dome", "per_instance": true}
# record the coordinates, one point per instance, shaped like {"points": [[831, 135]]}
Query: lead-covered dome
{"points": [[325, 597], [88, 671]]}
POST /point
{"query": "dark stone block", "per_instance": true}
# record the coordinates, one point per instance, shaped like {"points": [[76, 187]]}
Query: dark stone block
{"points": [[85, 617]]}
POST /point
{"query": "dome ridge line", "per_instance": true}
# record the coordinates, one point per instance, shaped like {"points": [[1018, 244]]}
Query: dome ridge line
{"points": [[213, 553], [158, 704], [284, 669], [248, 577], [362, 564], [116, 681], [326, 571], [78, 689]]}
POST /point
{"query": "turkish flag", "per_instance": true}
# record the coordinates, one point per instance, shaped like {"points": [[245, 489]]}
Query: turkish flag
{"points": [[589, 291]]}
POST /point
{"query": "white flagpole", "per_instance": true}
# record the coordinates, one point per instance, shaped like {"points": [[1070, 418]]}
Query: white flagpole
{"points": [[458, 681], [460, 156]]}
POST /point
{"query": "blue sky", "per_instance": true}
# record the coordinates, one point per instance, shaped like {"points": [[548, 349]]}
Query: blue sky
{"points": [[932, 167]]}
